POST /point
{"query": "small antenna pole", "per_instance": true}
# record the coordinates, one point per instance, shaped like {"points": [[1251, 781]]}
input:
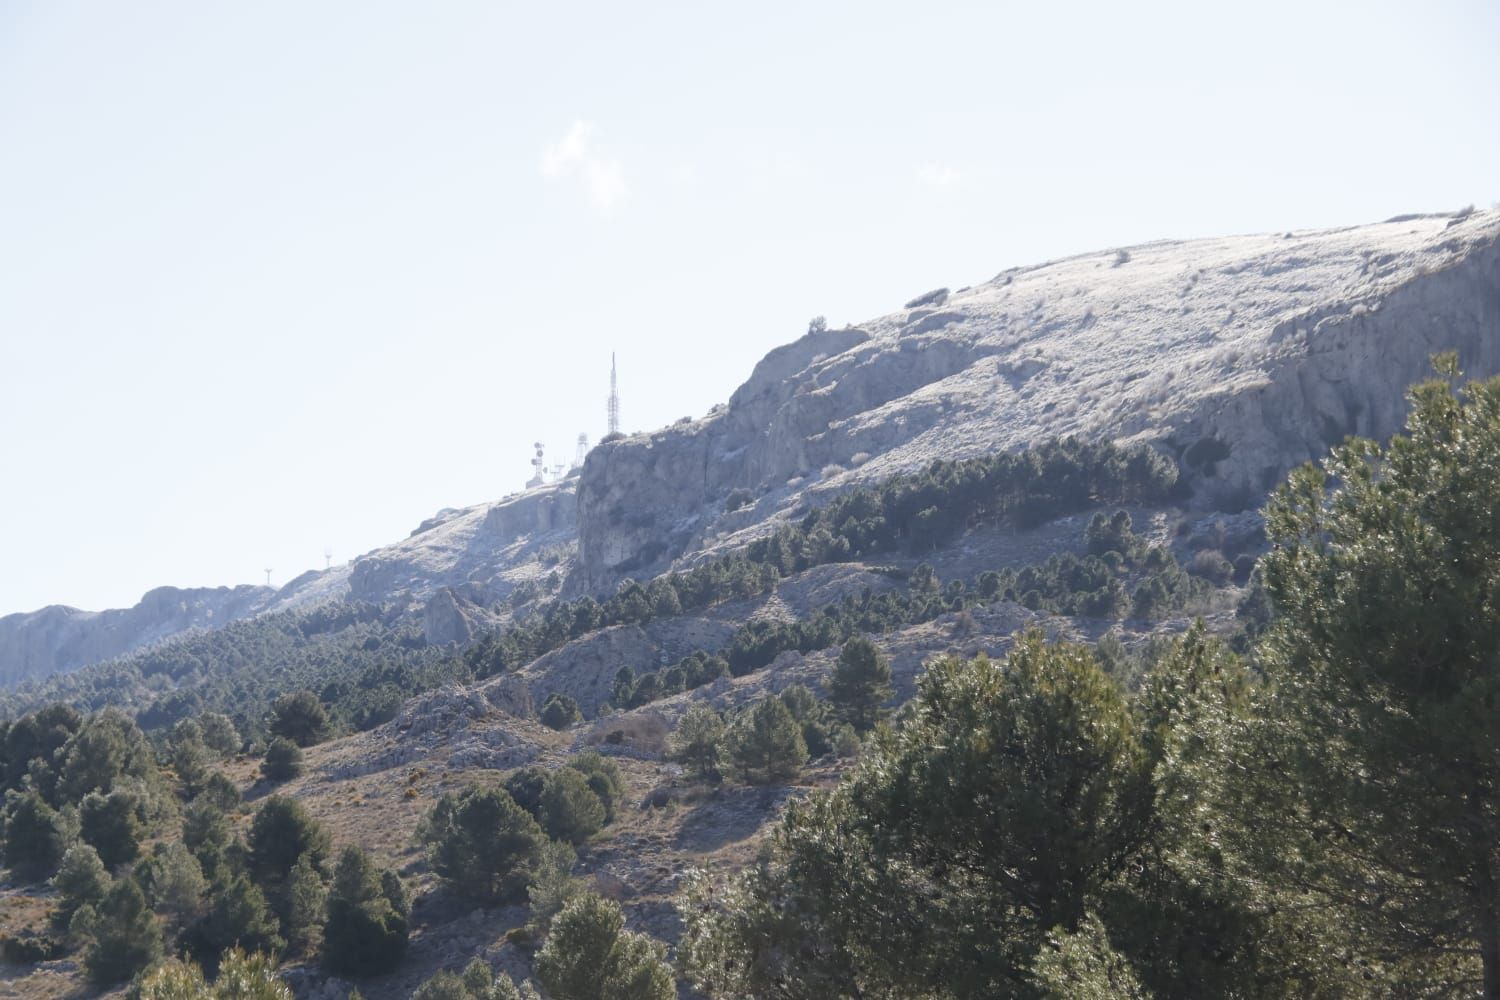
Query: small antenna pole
{"points": [[327, 559], [614, 398], [268, 576]]}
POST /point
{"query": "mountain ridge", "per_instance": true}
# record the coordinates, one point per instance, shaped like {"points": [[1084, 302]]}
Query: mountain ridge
{"points": [[1268, 348], [1241, 356]]}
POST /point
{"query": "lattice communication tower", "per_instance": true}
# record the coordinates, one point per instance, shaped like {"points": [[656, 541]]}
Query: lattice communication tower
{"points": [[614, 398]]}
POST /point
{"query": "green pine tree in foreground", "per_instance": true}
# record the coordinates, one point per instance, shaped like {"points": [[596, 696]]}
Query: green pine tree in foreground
{"points": [[860, 683], [765, 745], [1384, 680], [1325, 826], [589, 956]]}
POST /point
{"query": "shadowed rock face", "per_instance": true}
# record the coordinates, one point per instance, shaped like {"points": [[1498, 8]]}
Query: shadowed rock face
{"points": [[1242, 356], [61, 638]]}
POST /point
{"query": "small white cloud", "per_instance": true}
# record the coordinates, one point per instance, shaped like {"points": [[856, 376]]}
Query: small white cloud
{"points": [[574, 155], [561, 157], [606, 183], [938, 175]]}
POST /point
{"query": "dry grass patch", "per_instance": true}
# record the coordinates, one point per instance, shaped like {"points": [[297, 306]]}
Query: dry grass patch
{"points": [[643, 731]]}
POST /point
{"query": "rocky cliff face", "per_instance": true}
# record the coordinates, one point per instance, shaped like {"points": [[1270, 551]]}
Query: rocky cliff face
{"points": [[60, 638], [482, 553], [446, 575], [1241, 356]]}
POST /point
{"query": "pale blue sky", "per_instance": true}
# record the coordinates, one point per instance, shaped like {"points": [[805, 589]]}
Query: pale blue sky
{"points": [[276, 276]]}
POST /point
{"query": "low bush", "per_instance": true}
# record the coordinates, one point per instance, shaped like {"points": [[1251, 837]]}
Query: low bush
{"points": [[283, 761], [560, 711]]}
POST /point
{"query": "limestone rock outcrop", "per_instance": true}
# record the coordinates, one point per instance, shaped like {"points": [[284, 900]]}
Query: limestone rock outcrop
{"points": [[482, 553], [449, 619], [1242, 357], [39, 643]]}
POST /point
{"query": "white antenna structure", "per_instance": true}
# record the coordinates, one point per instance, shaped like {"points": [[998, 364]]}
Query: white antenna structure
{"points": [[614, 398], [268, 576], [538, 467]]}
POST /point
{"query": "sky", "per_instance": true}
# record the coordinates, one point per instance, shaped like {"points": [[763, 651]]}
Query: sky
{"points": [[286, 278]]}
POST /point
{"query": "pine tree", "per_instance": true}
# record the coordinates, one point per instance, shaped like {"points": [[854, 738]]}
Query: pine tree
{"points": [[109, 745], [860, 683], [173, 881], [603, 776], [305, 899], [365, 933], [238, 917], [638, 970], [766, 745], [299, 717], [125, 937], [588, 956], [570, 810], [190, 758], [1010, 802], [249, 976], [698, 741], [476, 983], [113, 824], [560, 711], [173, 979], [34, 835], [81, 880], [623, 689], [283, 760], [205, 832], [526, 785], [573, 962], [1385, 577], [1206, 909], [241, 977], [552, 885], [220, 791], [38, 736], [1083, 965], [219, 733], [282, 832], [924, 580], [478, 979], [482, 843]]}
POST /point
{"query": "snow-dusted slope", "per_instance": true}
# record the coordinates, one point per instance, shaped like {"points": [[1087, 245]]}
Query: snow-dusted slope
{"points": [[482, 552], [442, 574], [1244, 356]]}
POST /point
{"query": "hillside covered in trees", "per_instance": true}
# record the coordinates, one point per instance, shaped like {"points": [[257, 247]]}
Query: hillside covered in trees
{"points": [[1021, 725]]}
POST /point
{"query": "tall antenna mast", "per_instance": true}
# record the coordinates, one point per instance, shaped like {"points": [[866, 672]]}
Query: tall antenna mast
{"points": [[268, 576], [327, 559], [614, 398], [538, 466]]}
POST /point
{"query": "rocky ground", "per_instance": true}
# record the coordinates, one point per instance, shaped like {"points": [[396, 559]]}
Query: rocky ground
{"points": [[1260, 349]]}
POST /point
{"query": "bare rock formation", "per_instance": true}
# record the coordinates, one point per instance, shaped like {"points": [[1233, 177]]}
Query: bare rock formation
{"points": [[40, 643], [1242, 357]]}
